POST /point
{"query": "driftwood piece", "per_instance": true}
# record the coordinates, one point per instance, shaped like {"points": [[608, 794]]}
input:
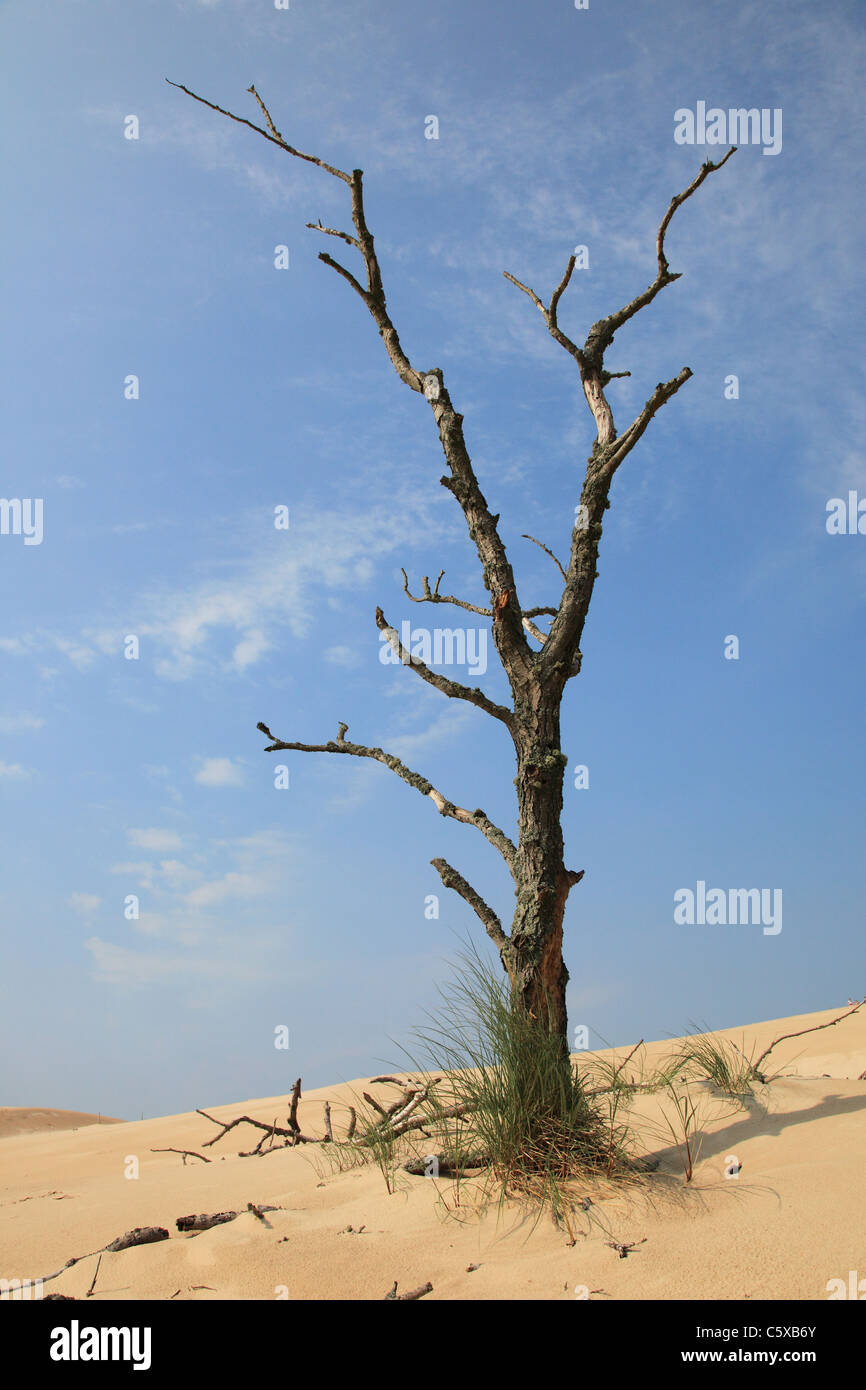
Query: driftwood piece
{"points": [[409, 1101], [399, 1081], [448, 1112], [269, 1130], [93, 1280], [258, 1209], [186, 1153], [372, 1101], [623, 1249], [756, 1073], [409, 1297], [394, 1120], [267, 1138], [408, 1093], [140, 1235], [204, 1221], [446, 1166], [293, 1107]]}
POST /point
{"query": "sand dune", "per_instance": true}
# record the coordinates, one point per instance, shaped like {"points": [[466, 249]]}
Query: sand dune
{"points": [[20, 1119], [790, 1222]]}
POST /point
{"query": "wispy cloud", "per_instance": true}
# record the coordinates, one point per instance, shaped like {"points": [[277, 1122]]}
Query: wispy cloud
{"points": [[85, 904], [155, 839], [342, 656], [231, 885], [123, 965], [219, 772], [18, 723]]}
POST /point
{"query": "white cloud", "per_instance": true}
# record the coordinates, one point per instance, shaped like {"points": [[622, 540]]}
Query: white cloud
{"points": [[342, 656], [119, 965], [231, 885], [448, 725], [154, 839], [80, 656], [252, 646], [176, 872], [85, 904], [15, 723], [219, 772], [277, 586], [13, 770], [250, 850]]}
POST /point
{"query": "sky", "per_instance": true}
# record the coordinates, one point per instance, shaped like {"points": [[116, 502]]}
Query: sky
{"points": [[170, 379]]}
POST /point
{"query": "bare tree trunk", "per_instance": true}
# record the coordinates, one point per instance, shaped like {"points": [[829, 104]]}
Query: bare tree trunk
{"points": [[532, 953]]}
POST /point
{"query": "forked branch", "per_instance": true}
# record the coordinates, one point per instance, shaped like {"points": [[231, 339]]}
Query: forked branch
{"points": [[509, 635], [491, 832], [453, 689]]}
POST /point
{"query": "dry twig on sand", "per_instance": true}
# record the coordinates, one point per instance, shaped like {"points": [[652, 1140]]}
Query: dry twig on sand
{"points": [[623, 1249], [409, 1297], [140, 1235], [186, 1153], [816, 1028], [204, 1221]]}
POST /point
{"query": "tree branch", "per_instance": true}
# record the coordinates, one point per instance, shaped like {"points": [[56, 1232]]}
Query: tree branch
{"points": [[601, 334], [816, 1028], [549, 315], [453, 689], [346, 274], [491, 832], [626, 441], [535, 631], [433, 595], [515, 653], [492, 924], [559, 657], [547, 552], [274, 136], [330, 231]]}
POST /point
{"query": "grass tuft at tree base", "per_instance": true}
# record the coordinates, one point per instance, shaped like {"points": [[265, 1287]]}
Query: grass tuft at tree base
{"points": [[526, 1108]]}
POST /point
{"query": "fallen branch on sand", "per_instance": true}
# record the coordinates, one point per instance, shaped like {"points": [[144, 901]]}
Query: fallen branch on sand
{"points": [[186, 1153], [141, 1235], [149, 1235], [447, 1166], [408, 1297], [622, 1249], [269, 1132], [204, 1221], [605, 1090], [756, 1072], [394, 1120], [95, 1277]]}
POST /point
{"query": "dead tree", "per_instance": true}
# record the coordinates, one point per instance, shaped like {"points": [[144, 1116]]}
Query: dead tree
{"points": [[532, 951]]}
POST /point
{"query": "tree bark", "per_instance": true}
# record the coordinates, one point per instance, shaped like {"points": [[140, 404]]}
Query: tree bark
{"points": [[533, 956]]}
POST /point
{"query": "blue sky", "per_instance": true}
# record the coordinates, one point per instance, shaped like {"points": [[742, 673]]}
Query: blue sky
{"points": [[259, 387]]}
